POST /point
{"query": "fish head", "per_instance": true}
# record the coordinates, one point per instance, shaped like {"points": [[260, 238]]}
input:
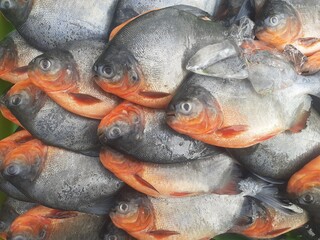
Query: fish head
{"points": [[118, 72], [17, 11], [54, 70], [25, 162], [194, 110], [304, 186], [125, 122], [29, 228], [265, 221], [114, 233], [24, 97], [8, 55], [133, 212], [278, 23]]}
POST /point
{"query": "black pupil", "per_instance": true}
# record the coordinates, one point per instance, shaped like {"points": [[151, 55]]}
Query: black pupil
{"points": [[274, 20], [308, 198], [115, 132], [45, 64], [186, 107], [107, 70], [16, 100], [123, 207], [6, 4]]}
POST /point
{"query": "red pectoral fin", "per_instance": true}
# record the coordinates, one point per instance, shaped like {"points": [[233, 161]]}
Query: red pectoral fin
{"points": [[232, 131], [20, 70], [180, 194], [154, 95], [144, 183], [84, 99], [160, 234], [56, 214]]}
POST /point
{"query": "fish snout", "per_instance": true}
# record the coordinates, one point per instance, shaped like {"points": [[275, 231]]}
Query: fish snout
{"points": [[8, 55]]}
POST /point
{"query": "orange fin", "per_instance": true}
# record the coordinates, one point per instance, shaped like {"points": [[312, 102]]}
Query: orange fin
{"points": [[180, 194], [312, 65], [154, 95], [61, 214], [278, 232], [229, 189], [265, 138], [232, 131], [301, 120], [144, 182], [20, 70], [159, 234], [84, 98], [308, 42]]}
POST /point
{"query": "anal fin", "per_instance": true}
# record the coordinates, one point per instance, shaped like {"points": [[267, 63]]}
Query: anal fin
{"points": [[232, 131], [160, 234]]}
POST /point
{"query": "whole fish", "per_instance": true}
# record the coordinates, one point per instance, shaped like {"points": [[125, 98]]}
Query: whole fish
{"points": [[228, 113], [111, 232], [143, 133], [199, 217], [136, 67], [218, 173], [283, 155], [292, 22], [15, 55], [49, 122], [128, 9], [65, 75], [46, 24], [303, 187], [47, 223], [7, 145], [11, 209], [80, 182]]}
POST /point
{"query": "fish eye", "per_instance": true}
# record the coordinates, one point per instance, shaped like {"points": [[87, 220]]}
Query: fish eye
{"points": [[12, 170], [107, 71], [308, 198], [114, 132], [45, 64], [123, 208], [111, 237], [6, 4], [185, 108], [16, 100], [274, 21], [134, 76]]}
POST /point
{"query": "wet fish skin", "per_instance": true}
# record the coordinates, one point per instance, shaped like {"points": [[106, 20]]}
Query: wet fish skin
{"points": [[66, 76], [145, 217], [42, 222], [140, 72], [283, 155], [16, 54], [7, 145], [49, 122], [11, 209], [129, 9], [45, 24], [217, 173], [132, 125], [80, 182], [220, 112]]}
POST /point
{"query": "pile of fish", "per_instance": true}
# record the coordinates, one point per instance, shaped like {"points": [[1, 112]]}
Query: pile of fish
{"points": [[163, 119]]}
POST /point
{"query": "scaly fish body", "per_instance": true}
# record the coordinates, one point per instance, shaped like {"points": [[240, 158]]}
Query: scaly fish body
{"points": [[45, 24], [49, 122], [214, 174], [80, 182], [143, 133], [47, 223], [283, 155], [136, 67], [66, 77]]}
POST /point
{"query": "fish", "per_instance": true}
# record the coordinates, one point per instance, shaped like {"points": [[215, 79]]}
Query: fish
{"points": [[218, 173], [221, 112], [45, 24], [81, 183], [112, 232], [145, 217], [65, 75], [143, 134], [15, 55], [292, 23], [47, 223], [128, 9], [280, 157], [135, 67], [49, 122], [303, 187], [11, 209], [7, 145]]}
